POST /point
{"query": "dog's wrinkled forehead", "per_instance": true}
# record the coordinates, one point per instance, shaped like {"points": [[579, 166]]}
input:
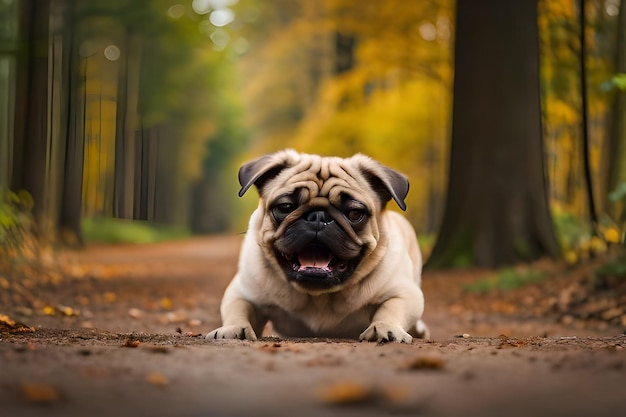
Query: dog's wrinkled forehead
{"points": [[316, 176], [359, 176]]}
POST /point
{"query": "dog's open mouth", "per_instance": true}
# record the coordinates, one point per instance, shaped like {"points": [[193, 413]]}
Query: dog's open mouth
{"points": [[316, 265], [317, 258]]}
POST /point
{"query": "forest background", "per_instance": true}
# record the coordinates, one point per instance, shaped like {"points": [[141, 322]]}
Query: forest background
{"points": [[144, 110]]}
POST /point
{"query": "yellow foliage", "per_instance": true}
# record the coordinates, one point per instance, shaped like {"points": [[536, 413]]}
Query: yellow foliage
{"points": [[571, 257], [393, 103], [612, 235], [597, 245]]}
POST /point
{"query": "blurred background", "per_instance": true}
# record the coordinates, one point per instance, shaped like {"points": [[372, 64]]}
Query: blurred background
{"points": [[128, 120]]}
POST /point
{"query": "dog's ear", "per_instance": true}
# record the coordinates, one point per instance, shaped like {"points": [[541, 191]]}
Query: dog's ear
{"points": [[257, 172], [386, 182]]}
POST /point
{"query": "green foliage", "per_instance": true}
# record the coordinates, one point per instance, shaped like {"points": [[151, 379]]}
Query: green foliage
{"points": [[577, 239], [617, 82], [16, 222], [463, 259], [185, 89], [506, 280], [619, 194], [570, 230], [109, 230], [614, 268]]}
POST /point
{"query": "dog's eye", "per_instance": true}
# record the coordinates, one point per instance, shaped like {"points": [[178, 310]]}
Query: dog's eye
{"points": [[355, 216], [282, 207], [285, 208]]}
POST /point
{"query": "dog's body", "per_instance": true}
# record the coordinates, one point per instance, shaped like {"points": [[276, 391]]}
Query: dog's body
{"points": [[322, 257]]}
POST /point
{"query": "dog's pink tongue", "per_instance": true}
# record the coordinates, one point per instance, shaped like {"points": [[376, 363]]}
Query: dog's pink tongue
{"points": [[314, 257]]}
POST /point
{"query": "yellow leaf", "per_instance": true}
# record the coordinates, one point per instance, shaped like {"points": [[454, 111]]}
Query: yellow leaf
{"points": [[611, 235], [110, 297], [157, 378], [7, 320], [69, 311], [597, 245], [166, 303], [571, 257], [346, 392]]}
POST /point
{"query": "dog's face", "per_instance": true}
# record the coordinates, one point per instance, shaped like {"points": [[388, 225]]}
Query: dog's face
{"points": [[320, 215]]}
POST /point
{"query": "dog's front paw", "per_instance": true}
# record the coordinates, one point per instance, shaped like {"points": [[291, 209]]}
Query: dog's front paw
{"points": [[383, 332], [241, 332]]}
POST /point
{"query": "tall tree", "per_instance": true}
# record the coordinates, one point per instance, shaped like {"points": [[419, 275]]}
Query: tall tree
{"points": [[32, 139], [126, 126], [70, 215], [616, 151], [497, 207]]}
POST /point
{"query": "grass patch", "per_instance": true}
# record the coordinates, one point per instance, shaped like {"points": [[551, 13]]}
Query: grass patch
{"points": [[110, 230], [506, 280]]}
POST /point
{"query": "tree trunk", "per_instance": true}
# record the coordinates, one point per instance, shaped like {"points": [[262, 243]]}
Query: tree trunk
{"points": [[9, 44], [616, 152], [125, 128], [30, 154], [57, 119], [70, 230], [497, 209]]}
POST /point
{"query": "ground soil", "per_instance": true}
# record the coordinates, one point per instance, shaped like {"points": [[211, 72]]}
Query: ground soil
{"points": [[117, 330]]}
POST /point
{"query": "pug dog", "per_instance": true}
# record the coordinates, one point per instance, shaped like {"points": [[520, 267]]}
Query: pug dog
{"points": [[322, 256]]}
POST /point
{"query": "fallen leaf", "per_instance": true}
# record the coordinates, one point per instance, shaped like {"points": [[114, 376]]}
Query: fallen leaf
{"points": [[67, 311], [131, 343], [270, 348], [346, 393], [166, 303], [40, 393], [425, 362], [109, 297], [6, 320], [49, 311], [157, 378], [397, 394], [10, 325]]}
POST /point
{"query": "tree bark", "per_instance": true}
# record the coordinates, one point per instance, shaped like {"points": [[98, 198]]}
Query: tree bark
{"points": [[125, 128], [616, 152], [9, 44], [30, 153], [497, 208], [70, 229]]}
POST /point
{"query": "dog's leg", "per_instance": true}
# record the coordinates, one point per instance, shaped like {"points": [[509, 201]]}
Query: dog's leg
{"points": [[239, 318]]}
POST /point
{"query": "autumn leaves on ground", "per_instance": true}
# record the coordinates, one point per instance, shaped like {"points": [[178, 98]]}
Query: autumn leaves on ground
{"points": [[119, 329]]}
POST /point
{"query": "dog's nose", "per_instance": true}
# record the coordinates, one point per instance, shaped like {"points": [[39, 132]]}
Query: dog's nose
{"points": [[320, 218]]}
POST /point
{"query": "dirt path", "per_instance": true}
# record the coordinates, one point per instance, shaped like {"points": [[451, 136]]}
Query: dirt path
{"points": [[120, 338]]}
